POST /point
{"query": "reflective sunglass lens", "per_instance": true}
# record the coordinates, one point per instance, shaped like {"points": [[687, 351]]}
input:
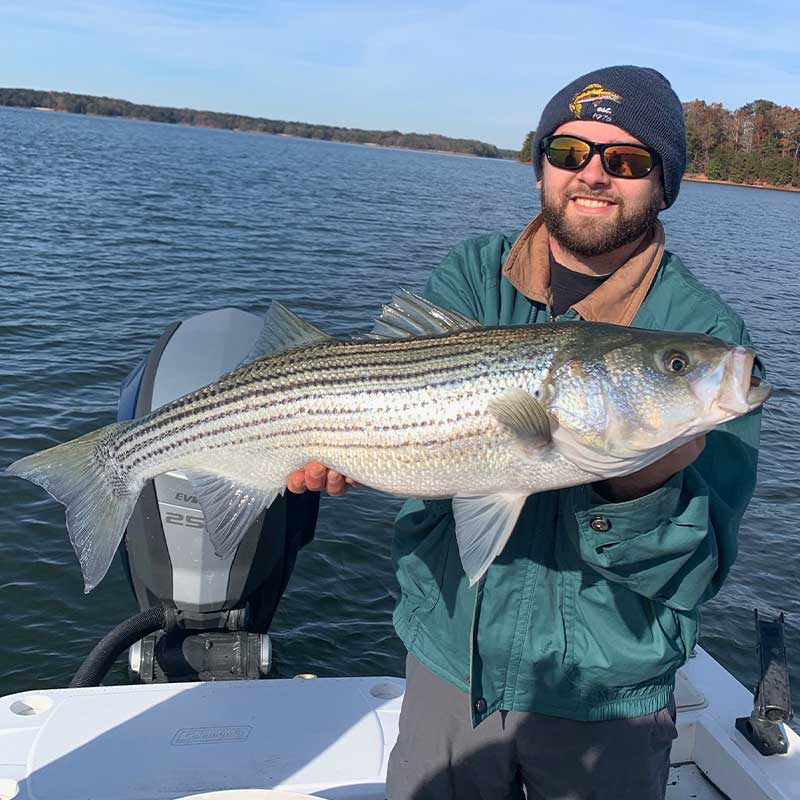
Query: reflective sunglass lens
{"points": [[628, 161], [567, 153]]}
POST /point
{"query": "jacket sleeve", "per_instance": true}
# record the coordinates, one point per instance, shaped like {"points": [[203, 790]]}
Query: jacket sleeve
{"points": [[461, 281], [677, 544]]}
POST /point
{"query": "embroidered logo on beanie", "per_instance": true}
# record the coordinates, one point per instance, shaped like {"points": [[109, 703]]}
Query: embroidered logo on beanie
{"points": [[596, 95]]}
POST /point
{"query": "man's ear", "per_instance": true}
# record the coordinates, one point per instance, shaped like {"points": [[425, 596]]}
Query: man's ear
{"points": [[539, 186]]}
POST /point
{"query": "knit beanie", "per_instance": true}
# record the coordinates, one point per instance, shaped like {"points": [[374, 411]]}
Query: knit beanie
{"points": [[636, 99]]}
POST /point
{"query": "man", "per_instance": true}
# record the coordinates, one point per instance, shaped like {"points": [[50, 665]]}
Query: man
{"points": [[556, 671]]}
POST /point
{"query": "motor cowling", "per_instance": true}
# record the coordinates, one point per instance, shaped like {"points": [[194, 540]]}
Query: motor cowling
{"points": [[226, 605]]}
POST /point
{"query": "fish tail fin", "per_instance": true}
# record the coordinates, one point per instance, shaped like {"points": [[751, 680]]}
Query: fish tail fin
{"points": [[76, 474]]}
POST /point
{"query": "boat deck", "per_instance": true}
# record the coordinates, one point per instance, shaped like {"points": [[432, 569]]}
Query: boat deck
{"points": [[329, 738], [686, 782]]}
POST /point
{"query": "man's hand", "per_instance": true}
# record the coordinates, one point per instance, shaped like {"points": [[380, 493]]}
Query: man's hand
{"points": [[316, 476], [647, 480]]}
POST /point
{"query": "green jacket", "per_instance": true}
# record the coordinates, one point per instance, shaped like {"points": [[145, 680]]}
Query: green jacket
{"points": [[569, 621]]}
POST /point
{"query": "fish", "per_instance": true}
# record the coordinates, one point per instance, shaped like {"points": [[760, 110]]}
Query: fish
{"points": [[429, 404], [594, 93]]}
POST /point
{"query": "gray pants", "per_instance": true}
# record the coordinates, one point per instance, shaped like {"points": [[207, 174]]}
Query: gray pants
{"points": [[515, 754]]}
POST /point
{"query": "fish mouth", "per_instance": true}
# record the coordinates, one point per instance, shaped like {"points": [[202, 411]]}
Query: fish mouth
{"points": [[758, 392], [746, 392]]}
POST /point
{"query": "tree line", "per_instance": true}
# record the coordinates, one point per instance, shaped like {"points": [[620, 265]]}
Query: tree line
{"points": [[758, 143], [111, 107]]}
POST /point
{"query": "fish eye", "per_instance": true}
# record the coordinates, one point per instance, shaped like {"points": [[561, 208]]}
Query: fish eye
{"points": [[676, 363]]}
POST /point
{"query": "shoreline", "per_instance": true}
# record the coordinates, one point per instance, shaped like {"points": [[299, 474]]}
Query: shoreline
{"points": [[267, 133], [689, 178], [704, 179]]}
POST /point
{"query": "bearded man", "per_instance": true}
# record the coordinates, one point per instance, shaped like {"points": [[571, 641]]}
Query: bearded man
{"points": [[553, 676]]}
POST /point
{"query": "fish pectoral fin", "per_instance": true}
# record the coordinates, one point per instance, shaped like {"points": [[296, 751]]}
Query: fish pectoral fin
{"points": [[229, 506], [283, 330], [524, 416], [483, 525], [407, 314]]}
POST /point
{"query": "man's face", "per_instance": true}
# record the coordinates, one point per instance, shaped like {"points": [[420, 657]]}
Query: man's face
{"points": [[590, 212]]}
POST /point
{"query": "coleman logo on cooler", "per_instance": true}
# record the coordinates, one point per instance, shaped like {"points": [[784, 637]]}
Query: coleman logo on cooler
{"points": [[229, 733]]}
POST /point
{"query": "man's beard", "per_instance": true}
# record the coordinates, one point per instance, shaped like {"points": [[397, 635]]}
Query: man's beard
{"points": [[594, 236]]}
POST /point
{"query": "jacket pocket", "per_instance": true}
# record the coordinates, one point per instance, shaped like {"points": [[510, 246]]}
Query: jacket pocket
{"points": [[424, 533], [621, 639]]}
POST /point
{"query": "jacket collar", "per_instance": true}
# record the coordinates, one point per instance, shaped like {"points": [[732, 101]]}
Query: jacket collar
{"points": [[616, 301]]}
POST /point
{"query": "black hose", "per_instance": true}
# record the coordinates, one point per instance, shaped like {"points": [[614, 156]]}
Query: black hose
{"points": [[115, 642]]}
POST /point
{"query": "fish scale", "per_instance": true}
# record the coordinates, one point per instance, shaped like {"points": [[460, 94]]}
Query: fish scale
{"points": [[343, 363], [359, 398]]}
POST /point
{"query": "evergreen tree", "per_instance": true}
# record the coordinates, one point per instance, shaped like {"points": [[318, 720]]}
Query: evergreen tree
{"points": [[525, 153]]}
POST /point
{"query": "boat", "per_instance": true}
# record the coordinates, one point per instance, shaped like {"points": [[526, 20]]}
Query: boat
{"points": [[198, 720]]}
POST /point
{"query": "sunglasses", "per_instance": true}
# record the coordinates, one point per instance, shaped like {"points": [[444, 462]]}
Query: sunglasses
{"points": [[619, 160]]}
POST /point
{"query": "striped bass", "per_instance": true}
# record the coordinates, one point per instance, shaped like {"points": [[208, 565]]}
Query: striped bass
{"points": [[429, 405]]}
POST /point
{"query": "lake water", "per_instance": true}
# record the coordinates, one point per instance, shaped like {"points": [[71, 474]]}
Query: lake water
{"points": [[112, 229]]}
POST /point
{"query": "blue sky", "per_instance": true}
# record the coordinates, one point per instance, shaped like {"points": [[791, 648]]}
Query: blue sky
{"points": [[474, 69]]}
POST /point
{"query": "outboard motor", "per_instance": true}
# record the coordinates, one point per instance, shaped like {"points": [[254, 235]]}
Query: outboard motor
{"points": [[224, 605]]}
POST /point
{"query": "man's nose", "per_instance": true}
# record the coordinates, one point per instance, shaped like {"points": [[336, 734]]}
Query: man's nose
{"points": [[593, 173]]}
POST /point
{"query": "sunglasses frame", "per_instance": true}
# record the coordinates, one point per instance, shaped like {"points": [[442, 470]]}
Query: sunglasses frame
{"points": [[594, 147]]}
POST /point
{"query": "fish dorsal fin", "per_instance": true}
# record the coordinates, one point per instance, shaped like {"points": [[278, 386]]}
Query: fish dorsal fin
{"points": [[283, 330], [407, 314], [229, 506], [483, 525], [524, 416]]}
